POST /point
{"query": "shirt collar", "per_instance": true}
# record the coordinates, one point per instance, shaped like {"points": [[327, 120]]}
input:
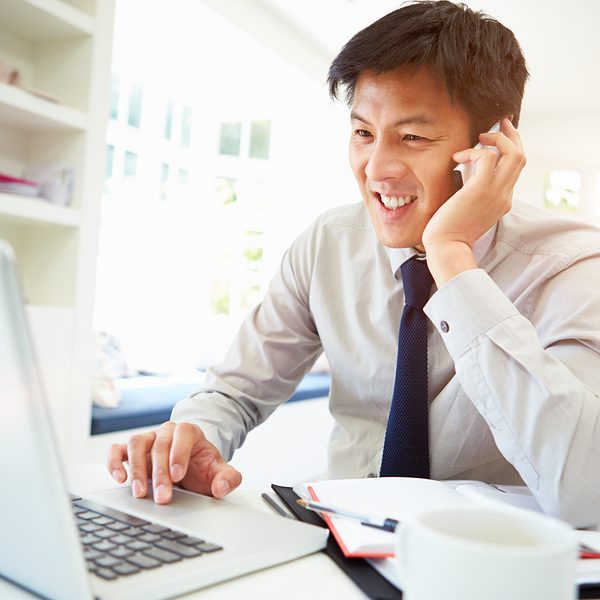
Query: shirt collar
{"points": [[400, 255]]}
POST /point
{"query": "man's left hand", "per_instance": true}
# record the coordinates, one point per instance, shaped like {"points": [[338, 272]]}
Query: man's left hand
{"points": [[451, 233]]}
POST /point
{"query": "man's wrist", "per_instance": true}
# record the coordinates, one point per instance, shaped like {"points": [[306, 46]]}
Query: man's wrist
{"points": [[448, 259]]}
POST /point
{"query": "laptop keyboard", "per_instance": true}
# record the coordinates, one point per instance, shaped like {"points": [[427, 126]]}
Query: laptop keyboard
{"points": [[116, 544]]}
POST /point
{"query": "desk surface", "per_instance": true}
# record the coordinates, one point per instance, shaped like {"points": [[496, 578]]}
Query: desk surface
{"points": [[314, 576]]}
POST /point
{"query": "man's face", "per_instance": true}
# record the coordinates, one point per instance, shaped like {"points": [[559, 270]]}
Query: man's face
{"points": [[404, 132]]}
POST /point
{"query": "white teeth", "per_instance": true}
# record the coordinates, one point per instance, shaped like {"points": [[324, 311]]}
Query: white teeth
{"points": [[393, 202]]}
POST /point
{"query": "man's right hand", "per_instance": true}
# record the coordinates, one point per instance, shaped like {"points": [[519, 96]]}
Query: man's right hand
{"points": [[175, 453]]}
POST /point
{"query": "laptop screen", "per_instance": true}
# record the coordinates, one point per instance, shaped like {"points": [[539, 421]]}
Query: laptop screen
{"points": [[40, 547]]}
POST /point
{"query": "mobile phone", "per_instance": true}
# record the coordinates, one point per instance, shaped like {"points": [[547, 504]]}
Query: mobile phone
{"points": [[465, 171]]}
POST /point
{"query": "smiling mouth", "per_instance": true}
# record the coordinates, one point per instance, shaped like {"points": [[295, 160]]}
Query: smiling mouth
{"points": [[393, 202]]}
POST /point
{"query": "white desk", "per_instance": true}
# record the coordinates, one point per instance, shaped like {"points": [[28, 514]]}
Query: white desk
{"points": [[314, 576]]}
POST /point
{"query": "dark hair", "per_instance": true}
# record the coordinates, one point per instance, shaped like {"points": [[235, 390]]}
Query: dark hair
{"points": [[477, 58]]}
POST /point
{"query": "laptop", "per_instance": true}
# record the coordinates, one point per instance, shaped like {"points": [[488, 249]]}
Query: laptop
{"points": [[91, 538]]}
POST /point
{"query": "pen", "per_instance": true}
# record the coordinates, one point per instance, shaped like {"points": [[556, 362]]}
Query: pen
{"points": [[272, 504], [387, 524], [390, 524]]}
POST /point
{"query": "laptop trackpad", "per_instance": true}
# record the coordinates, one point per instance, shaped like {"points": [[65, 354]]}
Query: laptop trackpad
{"points": [[183, 503], [219, 521]]}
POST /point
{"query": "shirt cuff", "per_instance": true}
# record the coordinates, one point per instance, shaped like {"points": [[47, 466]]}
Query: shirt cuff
{"points": [[186, 411], [466, 307]]}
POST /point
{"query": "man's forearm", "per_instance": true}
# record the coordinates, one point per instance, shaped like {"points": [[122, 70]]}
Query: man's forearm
{"points": [[543, 416]]}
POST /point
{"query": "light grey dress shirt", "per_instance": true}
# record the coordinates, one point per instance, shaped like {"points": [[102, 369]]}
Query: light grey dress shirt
{"points": [[514, 355]]}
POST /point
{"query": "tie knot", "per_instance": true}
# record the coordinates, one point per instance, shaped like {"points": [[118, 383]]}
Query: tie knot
{"points": [[417, 281]]}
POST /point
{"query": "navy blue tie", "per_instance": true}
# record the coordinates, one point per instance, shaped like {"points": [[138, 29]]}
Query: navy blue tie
{"points": [[406, 447]]}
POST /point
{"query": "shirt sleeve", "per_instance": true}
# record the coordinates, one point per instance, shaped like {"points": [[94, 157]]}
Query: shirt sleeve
{"points": [[275, 347], [535, 381]]}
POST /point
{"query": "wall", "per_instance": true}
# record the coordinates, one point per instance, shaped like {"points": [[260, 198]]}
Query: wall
{"points": [[561, 141]]}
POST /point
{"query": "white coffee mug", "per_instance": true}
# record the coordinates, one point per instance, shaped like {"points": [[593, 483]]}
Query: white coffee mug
{"points": [[472, 553]]}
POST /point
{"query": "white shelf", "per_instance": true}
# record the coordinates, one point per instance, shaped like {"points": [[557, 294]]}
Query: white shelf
{"points": [[25, 111], [62, 47], [35, 211], [44, 20]]}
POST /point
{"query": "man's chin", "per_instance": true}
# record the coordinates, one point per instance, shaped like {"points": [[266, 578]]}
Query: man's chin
{"points": [[391, 240], [397, 234]]}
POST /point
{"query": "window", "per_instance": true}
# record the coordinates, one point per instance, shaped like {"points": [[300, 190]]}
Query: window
{"points": [[198, 182], [110, 157], [226, 190], [169, 120], [114, 96], [253, 250], [130, 164], [260, 138], [164, 172], [135, 106], [230, 140], [251, 296], [183, 177], [220, 297], [186, 126], [563, 190]]}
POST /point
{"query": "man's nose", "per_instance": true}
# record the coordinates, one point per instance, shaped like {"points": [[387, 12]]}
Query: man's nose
{"points": [[385, 161]]}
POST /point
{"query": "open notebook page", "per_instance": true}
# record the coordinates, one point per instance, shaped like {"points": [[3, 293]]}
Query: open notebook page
{"points": [[400, 498], [396, 497]]}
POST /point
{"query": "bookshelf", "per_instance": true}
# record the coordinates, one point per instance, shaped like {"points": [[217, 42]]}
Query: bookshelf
{"points": [[21, 109], [58, 117], [45, 20], [21, 210]]}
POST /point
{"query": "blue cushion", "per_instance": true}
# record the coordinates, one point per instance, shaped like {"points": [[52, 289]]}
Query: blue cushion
{"points": [[151, 402]]}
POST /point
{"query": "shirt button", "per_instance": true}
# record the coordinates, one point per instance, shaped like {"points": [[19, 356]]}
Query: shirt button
{"points": [[444, 326], [372, 475]]}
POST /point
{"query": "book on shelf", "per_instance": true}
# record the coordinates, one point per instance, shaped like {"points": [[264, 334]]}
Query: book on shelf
{"points": [[16, 185]]}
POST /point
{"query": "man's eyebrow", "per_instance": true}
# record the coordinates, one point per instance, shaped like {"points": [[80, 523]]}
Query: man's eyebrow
{"points": [[417, 119]]}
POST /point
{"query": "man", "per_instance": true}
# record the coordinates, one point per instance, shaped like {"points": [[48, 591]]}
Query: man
{"points": [[512, 339]]}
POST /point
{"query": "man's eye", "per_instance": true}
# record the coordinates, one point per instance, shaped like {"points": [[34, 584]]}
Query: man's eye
{"points": [[409, 137], [362, 133]]}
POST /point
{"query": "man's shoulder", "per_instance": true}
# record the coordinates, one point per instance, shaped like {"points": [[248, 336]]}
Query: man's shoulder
{"points": [[352, 217], [346, 226], [532, 230], [335, 237]]}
